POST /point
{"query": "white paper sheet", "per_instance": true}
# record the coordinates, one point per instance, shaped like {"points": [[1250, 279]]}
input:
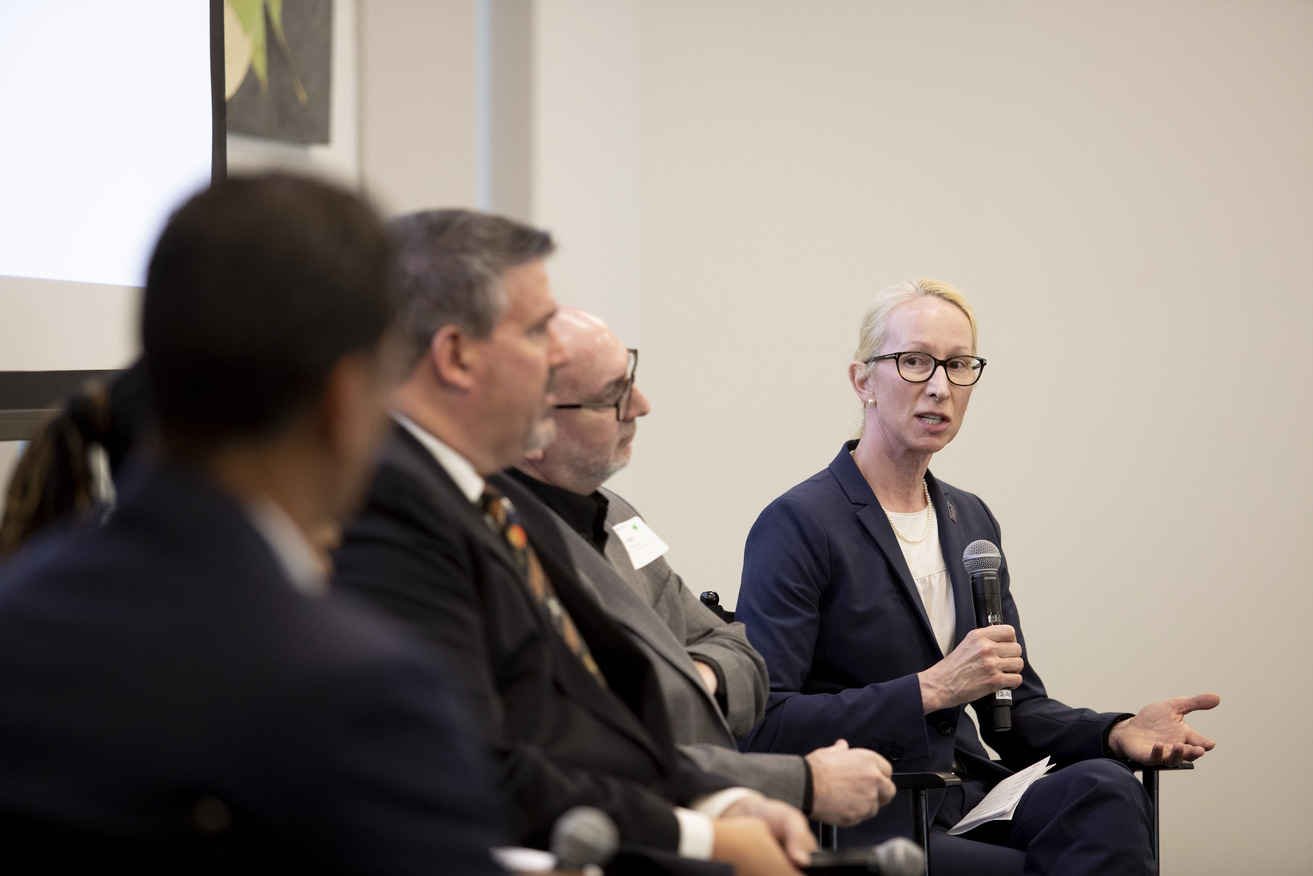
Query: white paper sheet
{"points": [[1001, 802]]}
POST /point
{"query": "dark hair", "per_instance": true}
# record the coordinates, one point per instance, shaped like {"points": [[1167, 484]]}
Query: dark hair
{"points": [[257, 288], [449, 269], [60, 472]]}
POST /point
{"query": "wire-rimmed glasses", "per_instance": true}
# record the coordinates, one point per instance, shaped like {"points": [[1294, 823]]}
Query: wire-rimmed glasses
{"points": [[621, 404]]}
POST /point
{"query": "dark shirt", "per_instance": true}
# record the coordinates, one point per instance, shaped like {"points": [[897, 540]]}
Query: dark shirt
{"points": [[586, 515]]}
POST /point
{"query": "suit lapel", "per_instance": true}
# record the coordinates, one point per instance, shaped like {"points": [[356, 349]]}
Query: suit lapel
{"points": [[410, 456], [567, 671], [634, 612], [623, 601], [873, 519], [627, 670], [952, 542]]}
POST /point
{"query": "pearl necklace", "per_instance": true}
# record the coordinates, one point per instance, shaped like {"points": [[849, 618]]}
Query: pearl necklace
{"points": [[929, 518]]}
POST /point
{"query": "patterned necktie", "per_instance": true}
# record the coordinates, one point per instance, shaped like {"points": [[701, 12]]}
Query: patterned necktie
{"points": [[504, 519]]}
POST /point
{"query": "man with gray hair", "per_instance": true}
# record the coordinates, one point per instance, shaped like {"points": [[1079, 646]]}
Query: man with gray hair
{"points": [[713, 681], [570, 704]]}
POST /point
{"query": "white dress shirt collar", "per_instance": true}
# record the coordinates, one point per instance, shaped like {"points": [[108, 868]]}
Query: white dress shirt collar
{"points": [[460, 469], [289, 545]]}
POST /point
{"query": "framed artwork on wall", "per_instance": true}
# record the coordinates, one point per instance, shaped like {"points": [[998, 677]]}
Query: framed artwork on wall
{"points": [[278, 63]]}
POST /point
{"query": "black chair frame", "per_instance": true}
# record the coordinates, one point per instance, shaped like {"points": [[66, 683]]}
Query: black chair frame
{"points": [[919, 784]]}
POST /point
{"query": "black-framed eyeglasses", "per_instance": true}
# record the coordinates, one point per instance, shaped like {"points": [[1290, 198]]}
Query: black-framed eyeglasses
{"points": [[621, 405], [917, 367]]}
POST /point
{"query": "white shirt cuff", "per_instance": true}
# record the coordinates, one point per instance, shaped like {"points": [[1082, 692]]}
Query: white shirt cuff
{"points": [[697, 839]]}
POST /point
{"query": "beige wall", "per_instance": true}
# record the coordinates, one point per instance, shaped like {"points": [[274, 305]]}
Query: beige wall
{"points": [[419, 102], [1124, 190]]}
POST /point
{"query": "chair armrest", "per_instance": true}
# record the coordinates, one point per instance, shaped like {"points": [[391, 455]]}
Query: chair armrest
{"points": [[1150, 781], [911, 781], [1160, 768], [711, 599]]}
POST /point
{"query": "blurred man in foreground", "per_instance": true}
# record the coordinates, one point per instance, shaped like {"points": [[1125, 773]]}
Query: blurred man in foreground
{"points": [[180, 692], [713, 682]]}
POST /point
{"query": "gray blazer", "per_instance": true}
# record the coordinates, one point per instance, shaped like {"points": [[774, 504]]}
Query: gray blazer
{"points": [[674, 628]]}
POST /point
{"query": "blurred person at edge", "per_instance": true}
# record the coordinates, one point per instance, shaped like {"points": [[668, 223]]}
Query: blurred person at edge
{"points": [[181, 693]]}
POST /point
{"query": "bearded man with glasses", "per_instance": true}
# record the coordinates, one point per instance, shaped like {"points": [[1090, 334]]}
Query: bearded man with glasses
{"points": [[712, 682]]}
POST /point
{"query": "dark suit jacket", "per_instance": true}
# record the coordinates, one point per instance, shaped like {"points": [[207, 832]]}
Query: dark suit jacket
{"points": [[170, 702], [423, 551], [673, 627], [829, 601]]}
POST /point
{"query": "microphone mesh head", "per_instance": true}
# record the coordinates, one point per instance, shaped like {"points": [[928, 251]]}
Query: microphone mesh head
{"points": [[584, 835], [981, 556], [900, 857]]}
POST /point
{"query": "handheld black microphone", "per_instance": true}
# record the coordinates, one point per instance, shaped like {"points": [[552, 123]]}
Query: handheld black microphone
{"points": [[982, 561], [584, 838]]}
